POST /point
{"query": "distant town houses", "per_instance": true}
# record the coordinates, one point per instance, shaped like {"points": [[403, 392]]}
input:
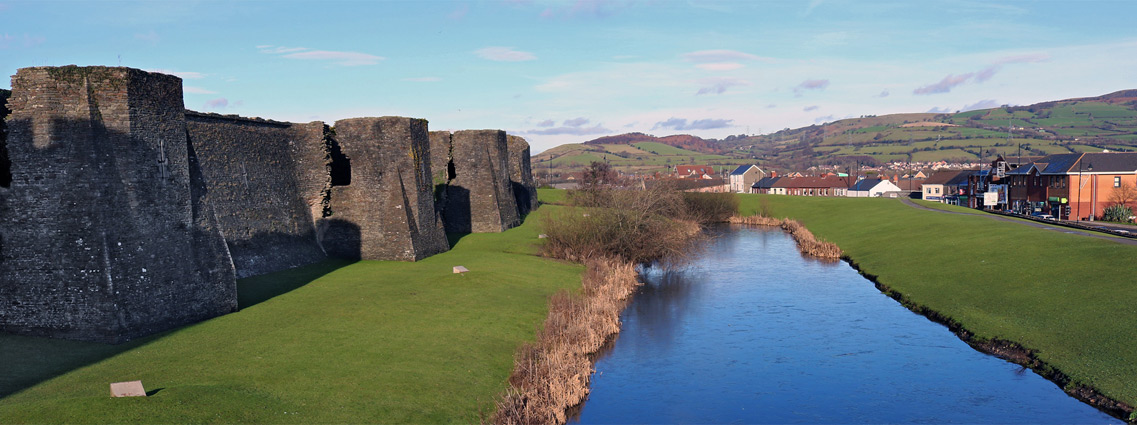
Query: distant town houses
{"points": [[1069, 186]]}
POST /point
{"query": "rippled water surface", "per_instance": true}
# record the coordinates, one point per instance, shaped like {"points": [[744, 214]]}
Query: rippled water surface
{"points": [[751, 332]]}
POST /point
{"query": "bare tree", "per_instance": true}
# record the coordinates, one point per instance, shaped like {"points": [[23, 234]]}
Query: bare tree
{"points": [[1123, 195]]}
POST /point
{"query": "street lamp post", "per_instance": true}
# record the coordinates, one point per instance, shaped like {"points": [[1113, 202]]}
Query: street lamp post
{"points": [[1093, 193]]}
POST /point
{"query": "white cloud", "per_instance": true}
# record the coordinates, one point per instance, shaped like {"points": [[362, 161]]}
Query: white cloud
{"points": [[185, 75], [504, 54], [719, 85], [339, 58], [336, 57], [982, 104], [707, 56], [720, 66], [197, 90]]}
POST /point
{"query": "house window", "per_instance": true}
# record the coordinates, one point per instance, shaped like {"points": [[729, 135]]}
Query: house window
{"points": [[1117, 181], [937, 191]]}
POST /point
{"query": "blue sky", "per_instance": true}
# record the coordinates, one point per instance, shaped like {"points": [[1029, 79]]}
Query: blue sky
{"points": [[567, 71]]}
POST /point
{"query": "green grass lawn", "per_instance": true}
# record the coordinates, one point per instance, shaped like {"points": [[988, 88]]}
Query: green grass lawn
{"points": [[1071, 298], [337, 342]]}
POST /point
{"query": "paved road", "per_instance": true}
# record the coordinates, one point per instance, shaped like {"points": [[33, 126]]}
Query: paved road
{"points": [[1061, 229]]}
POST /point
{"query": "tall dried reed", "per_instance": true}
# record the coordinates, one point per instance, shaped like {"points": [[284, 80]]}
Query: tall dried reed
{"points": [[552, 374], [806, 242]]}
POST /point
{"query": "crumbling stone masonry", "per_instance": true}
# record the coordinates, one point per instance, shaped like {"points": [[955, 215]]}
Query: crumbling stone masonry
{"points": [[105, 230], [387, 211], [521, 175], [268, 182], [479, 198]]}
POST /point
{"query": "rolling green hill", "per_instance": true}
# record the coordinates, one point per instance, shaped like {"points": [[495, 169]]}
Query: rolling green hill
{"points": [[1107, 122]]}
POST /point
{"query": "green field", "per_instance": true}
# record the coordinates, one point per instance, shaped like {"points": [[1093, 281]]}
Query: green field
{"points": [[369, 342], [1070, 298]]}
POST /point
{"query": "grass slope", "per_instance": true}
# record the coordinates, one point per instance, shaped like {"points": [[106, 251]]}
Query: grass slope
{"points": [[373, 341], [1071, 298]]}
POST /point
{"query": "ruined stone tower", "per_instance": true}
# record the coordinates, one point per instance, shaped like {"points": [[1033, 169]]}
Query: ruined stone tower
{"points": [[479, 198], [105, 232], [268, 182], [387, 211], [521, 175]]}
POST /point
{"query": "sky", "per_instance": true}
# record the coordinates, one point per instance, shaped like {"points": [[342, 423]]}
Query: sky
{"points": [[567, 71]]}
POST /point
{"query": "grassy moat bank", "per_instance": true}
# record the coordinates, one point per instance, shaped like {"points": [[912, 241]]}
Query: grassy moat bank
{"points": [[366, 342], [1070, 300]]}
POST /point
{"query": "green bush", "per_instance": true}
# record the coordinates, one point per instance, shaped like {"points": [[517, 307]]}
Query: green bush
{"points": [[1117, 213]]}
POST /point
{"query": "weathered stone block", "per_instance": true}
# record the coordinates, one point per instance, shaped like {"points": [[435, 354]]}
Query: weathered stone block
{"points": [[479, 199], [105, 232], [521, 175], [387, 211], [267, 182]]}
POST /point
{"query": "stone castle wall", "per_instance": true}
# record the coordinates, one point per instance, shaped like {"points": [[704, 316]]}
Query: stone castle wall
{"points": [[122, 214], [106, 231], [267, 182], [479, 199], [521, 175], [387, 211]]}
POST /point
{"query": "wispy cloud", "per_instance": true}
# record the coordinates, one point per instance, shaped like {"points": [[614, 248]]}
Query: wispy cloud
{"points": [[945, 85], [572, 126], [811, 108], [719, 85], [586, 9], [720, 66], [576, 122], [459, 12], [939, 110], [185, 75], [197, 90], [708, 56], [952, 81], [337, 57], [573, 131], [218, 103], [826, 118], [810, 85], [150, 37], [25, 41], [681, 124], [812, 5], [982, 104], [504, 54], [883, 94]]}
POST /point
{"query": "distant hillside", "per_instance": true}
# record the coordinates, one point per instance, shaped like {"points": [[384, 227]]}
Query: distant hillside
{"points": [[1091, 124], [684, 141]]}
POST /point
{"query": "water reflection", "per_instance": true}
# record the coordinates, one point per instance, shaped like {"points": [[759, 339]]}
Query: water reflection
{"points": [[750, 332]]}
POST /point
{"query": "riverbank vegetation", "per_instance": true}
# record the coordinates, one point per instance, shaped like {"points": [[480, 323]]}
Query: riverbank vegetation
{"points": [[338, 342], [611, 230], [807, 243], [1061, 303]]}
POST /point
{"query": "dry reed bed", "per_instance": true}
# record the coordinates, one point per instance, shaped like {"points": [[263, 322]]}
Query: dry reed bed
{"points": [[552, 374], [806, 242]]}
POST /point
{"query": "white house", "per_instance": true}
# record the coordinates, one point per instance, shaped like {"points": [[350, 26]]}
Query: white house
{"points": [[872, 188]]}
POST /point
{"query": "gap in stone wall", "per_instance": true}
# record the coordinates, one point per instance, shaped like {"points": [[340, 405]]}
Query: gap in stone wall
{"points": [[341, 165]]}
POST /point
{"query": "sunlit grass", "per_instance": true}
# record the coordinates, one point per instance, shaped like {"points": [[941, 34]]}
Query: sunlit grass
{"points": [[1071, 298]]}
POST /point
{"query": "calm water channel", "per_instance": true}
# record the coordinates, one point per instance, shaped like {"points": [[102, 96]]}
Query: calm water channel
{"points": [[751, 332]]}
